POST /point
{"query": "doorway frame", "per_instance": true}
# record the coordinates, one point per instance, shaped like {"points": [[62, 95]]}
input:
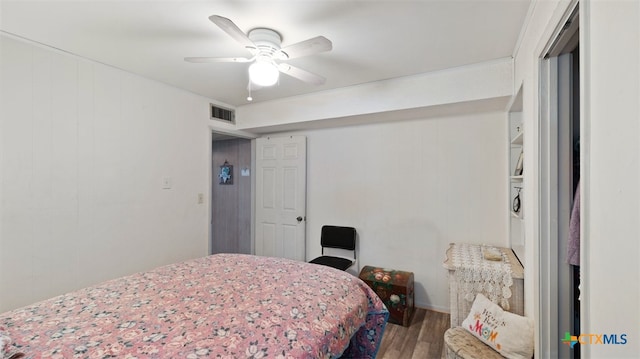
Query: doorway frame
{"points": [[551, 301], [211, 130]]}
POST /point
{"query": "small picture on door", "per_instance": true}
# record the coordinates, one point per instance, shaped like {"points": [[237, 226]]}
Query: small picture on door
{"points": [[226, 173]]}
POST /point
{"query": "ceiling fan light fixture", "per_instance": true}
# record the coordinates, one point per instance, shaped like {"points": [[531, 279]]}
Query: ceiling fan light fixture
{"points": [[264, 44], [263, 73]]}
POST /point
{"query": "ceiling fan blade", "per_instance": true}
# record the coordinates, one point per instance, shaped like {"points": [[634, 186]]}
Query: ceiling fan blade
{"points": [[234, 31], [217, 59], [301, 74], [306, 48]]}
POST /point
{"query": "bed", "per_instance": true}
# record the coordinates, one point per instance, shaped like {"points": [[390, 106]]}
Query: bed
{"points": [[220, 306]]}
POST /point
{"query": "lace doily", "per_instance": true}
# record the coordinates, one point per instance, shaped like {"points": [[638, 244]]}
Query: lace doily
{"points": [[474, 274]]}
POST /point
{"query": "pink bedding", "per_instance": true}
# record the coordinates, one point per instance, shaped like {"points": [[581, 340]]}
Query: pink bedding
{"points": [[220, 306]]}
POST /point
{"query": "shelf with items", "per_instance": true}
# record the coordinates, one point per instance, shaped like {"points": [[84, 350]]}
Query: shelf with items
{"points": [[517, 140], [516, 175], [517, 208], [516, 153]]}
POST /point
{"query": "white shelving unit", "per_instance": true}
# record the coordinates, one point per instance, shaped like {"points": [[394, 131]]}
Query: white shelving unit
{"points": [[516, 176]]}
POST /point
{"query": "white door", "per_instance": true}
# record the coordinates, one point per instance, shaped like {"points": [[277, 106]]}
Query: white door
{"points": [[281, 196]]}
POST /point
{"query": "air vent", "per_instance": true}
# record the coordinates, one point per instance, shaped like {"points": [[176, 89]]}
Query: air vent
{"points": [[222, 114]]}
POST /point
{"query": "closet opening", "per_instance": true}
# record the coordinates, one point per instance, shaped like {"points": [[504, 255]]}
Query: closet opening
{"points": [[559, 143], [231, 194]]}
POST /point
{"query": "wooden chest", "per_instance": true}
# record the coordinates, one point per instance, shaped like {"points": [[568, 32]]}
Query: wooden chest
{"points": [[395, 288]]}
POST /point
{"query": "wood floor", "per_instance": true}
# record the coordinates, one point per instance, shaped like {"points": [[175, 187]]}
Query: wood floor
{"points": [[424, 338]]}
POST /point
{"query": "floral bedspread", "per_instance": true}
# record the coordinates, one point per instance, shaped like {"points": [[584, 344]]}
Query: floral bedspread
{"points": [[220, 306]]}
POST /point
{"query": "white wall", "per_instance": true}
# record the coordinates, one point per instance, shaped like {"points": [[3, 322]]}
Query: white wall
{"points": [[610, 257], [475, 84], [84, 148], [410, 188]]}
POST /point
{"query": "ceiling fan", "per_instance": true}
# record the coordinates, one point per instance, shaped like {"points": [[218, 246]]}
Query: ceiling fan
{"points": [[268, 57]]}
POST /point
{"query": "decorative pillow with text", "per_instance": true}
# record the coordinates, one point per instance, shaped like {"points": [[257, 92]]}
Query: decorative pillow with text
{"points": [[509, 334]]}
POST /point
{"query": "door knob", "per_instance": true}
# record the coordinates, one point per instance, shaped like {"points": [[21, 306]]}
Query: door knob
{"points": [[299, 219]]}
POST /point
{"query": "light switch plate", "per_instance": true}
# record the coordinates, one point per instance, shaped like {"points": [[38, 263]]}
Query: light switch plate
{"points": [[166, 182]]}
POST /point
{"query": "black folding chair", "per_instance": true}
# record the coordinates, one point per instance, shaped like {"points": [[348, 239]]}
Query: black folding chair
{"points": [[343, 238]]}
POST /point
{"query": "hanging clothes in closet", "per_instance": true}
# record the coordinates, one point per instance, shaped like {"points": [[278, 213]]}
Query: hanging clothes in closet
{"points": [[573, 246]]}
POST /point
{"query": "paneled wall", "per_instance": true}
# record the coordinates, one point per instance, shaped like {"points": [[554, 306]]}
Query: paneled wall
{"points": [[85, 149]]}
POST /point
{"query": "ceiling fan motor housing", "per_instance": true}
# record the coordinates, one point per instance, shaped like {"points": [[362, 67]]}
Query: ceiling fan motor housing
{"points": [[267, 41]]}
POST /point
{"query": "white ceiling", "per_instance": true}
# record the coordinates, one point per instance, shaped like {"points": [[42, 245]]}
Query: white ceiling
{"points": [[372, 40]]}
